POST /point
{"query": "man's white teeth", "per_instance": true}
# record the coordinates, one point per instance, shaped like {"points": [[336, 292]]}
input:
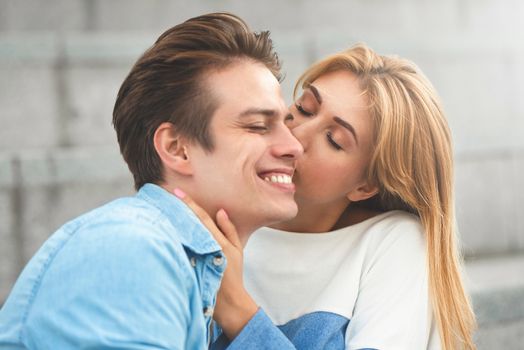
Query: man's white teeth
{"points": [[281, 179]]}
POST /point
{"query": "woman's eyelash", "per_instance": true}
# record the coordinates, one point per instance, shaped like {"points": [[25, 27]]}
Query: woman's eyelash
{"points": [[332, 141], [329, 134], [302, 110]]}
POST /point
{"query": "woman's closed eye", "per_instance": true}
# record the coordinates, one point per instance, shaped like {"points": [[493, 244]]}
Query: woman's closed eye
{"points": [[332, 141], [302, 111]]}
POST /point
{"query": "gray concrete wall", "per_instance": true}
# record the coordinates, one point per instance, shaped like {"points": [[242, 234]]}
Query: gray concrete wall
{"points": [[62, 61]]}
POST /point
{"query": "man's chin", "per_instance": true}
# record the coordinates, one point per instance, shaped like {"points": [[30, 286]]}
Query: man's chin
{"points": [[284, 213]]}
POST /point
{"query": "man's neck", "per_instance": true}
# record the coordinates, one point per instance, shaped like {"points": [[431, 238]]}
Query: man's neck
{"points": [[244, 230]]}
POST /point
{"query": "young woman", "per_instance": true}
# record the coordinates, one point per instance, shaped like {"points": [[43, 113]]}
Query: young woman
{"points": [[371, 259]]}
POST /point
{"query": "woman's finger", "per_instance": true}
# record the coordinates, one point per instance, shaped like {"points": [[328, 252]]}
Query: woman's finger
{"points": [[228, 228]]}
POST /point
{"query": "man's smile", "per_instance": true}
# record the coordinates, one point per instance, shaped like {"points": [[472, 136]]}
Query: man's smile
{"points": [[281, 178]]}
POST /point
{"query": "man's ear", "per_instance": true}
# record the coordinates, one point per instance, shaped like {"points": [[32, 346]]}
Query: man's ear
{"points": [[362, 192], [172, 149]]}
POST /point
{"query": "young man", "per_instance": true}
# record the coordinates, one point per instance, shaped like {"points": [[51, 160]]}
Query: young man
{"points": [[200, 111]]}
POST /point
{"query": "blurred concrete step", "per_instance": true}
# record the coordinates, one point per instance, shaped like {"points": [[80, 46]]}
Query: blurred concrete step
{"points": [[497, 288]]}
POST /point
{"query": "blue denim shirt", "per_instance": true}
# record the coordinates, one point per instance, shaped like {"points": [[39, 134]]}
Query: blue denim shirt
{"points": [[137, 273]]}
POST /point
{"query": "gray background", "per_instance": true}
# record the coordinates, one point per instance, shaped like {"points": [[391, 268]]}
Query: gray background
{"points": [[62, 62]]}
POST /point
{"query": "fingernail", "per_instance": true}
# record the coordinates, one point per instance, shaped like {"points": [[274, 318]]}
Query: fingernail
{"points": [[224, 213], [179, 193]]}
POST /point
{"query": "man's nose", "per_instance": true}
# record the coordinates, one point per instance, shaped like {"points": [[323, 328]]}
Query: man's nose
{"points": [[302, 132], [287, 145]]}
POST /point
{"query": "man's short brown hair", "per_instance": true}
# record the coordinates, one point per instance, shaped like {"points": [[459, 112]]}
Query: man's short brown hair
{"points": [[167, 84]]}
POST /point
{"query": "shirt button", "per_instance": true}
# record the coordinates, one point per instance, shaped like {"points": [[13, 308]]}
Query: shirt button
{"points": [[218, 260], [208, 311], [193, 261]]}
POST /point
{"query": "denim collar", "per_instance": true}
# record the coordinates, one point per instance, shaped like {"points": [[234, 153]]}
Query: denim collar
{"points": [[193, 235]]}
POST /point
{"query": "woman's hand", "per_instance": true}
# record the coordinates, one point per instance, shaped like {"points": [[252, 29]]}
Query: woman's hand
{"points": [[234, 307]]}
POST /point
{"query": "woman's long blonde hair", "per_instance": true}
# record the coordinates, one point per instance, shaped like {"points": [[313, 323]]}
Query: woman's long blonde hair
{"points": [[412, 164]]}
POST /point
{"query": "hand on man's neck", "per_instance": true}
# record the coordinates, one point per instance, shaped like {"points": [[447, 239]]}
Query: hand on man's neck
{"points": [[244, 229]]}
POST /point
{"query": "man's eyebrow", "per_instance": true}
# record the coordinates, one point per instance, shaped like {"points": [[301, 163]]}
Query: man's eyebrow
{"points": [[346, 125], [263, 111], [315, 92]]}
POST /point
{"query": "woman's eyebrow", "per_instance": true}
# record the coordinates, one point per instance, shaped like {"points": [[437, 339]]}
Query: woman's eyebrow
{"points": [[315, 92], [346, 125]]}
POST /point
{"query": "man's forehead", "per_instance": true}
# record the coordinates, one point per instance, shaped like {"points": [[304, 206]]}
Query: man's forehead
{"points": [[247, 89]]}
